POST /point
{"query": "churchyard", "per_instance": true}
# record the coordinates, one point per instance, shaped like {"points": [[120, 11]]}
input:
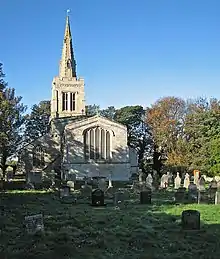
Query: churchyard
{"points": [[109, 222]]}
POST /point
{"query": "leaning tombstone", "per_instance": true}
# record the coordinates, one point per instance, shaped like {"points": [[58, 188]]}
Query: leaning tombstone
{"points": [[190, 220], [34, 224], [98, 198], [145, 196]]}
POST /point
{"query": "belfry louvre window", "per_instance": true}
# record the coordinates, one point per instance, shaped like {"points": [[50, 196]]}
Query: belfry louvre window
{"points": [[38, 156], [64, 101], [72, 102], [97, 144]]}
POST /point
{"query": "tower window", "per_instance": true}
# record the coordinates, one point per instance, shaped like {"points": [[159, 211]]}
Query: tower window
{"points": [[72, 102], [64, 101]]}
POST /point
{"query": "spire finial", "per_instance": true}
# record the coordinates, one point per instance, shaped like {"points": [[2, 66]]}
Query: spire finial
{"points": [[67, 12]]}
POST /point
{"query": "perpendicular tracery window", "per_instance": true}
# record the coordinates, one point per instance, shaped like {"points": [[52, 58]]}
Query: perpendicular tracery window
{"points": [[97, 144], [38, 156]]}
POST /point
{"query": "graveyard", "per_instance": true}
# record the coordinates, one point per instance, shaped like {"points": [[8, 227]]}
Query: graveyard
{"points": [[75, 229]]}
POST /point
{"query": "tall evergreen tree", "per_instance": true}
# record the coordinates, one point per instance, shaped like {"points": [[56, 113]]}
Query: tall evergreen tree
{"points": [[37, 122]]}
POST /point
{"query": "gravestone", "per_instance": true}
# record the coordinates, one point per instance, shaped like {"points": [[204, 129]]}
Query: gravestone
{"points": [[149, 181], [110, 182], [71, 184], [169, 179], [86, 190], [118, 199], [180, 195], [64, 191], [186, 181], [9, 173], [141, 176], [217, 198], [177, 181], [164, 181], [145, 196], [213, 187], [192, 193], [196, 177], [34, 223], [98, 198], [102, 184], [190, 220], [202, 184]]}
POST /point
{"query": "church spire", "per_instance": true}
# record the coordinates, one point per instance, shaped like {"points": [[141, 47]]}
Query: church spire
{"points": [[67, 63]]}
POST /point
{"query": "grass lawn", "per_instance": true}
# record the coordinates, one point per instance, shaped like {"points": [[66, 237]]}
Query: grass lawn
{"points": [[82, 231]]}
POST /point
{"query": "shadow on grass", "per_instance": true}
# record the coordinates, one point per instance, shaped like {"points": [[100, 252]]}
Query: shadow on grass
{"points": [[81, 231]]}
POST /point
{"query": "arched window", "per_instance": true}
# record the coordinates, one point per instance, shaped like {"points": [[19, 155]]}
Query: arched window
{"points": [[97, 144], [38, 156]]}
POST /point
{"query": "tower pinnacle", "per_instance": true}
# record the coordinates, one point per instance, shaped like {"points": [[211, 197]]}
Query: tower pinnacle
{"points": [[67, 63]]}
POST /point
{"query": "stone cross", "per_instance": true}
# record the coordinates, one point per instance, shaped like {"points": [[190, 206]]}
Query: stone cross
{"points": [[177, 181]]}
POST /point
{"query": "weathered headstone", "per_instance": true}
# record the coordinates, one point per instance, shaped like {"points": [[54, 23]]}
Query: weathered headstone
{"points": [[86, 190], [177, 181], [196, 177], [9, 173], [213, 187], [145, 196], [71, 184], [164, 181], [98, 198], [118, 199], [110, 182], [186, 181], [192, 193], [180, 194], [191, 220], [64, 191], [141, 176], [202, 184], [217, 198], [169, 179], [203, 197], [34, 224], [149, 181], [102, 184]]}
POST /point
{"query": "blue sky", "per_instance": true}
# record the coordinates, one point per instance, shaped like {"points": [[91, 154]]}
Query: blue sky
{"points": [[128, 51]]}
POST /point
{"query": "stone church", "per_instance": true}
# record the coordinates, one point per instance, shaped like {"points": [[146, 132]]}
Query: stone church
{"points": [[77, 145]]}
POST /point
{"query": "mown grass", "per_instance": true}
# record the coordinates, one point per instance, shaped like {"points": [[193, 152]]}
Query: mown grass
{"points": [[82, 231]]}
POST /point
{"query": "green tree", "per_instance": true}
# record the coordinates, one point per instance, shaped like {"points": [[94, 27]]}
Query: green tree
{"points": [[11, 121], [37, 122], [92, 109], [138, 133], [108, 113]]}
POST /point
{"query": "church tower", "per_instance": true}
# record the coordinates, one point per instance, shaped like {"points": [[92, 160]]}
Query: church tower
{"points": [[67, 90]]}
